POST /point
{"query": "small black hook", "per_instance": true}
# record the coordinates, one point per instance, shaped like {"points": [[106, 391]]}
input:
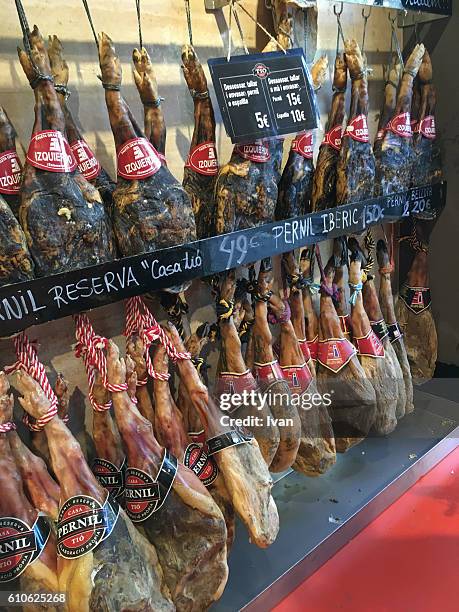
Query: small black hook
{"points": [[338, 14]]}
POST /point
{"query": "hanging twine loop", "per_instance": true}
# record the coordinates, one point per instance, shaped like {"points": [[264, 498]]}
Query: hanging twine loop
{"points": [[27, 361], [90, 347], [141, 322]]}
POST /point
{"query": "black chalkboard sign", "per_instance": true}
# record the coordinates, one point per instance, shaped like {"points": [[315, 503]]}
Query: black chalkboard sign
{"points": [[44, 299], [440, 7], [264, 95]]}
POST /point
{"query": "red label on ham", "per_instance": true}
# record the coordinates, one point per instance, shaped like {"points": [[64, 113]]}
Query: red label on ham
{"points": [[138, 159], [10, 172], [49, 150], [427, 127], [304, 346], [333, 137], [401, 125], [256, 152], [230, 382], [345, 322], [203, 159], [304, 144], [335, 353], [313, 346], [358, 129], [267, 374], [370, 345], [298, 378], [88, 164], [203, 465]]}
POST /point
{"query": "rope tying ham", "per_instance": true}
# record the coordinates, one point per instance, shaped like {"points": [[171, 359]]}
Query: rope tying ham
{"points": [[27, 360], [6, 427], [90, 347], [141, 322]]}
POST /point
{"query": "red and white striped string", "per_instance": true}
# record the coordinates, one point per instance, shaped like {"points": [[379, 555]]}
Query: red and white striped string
{"points": [[27, 360], [6, 427], [91, 348], [140, 321]]}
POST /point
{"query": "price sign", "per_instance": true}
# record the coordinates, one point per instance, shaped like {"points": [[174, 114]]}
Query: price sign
{"points": [[264, 95]]}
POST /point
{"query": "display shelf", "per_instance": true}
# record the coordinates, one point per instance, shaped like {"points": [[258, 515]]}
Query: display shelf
{"points": [[45, 299], [318, 516]]}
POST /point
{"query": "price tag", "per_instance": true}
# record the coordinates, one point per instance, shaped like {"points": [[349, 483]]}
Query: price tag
{"points": [[264, 95]]}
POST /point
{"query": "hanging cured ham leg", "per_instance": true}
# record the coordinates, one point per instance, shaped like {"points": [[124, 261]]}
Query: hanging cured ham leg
{"points": [[316, 453], [427, 168], [235, 377], [16, 263], [310, 314], [201, 168], [393, 374], [371, 354], [353, 398], [395, 160], [151, 209], [136, 350], [96, 575], [181, 518], [341, 303], [88, 164], [270, 377], [109, 465], [414, 314], [238, 457], [171, 433], [356, 162], [295, 186], [34, 571], [386, 301], [324, 182], [386, 114], [62, 215], [10, 164]]}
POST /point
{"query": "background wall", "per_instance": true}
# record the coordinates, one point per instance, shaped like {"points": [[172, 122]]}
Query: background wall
{"points": [[164, 31]]}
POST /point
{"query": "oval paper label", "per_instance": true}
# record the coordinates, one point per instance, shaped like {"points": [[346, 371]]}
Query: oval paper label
{"points": [[256, 152], [88, 165], [401, 125], [203, 159], [20, 545], [109, 476], [333, 137], [10, 172], [427, 127], [83, 523], [358, 129], [49, 150], [138, 159], [304, 144], [199, 462]]}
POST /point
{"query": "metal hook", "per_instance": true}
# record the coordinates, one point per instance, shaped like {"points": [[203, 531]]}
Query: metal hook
{"points": [[340, 11]]}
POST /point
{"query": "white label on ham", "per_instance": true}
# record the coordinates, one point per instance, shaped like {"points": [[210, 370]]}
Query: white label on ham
{"points": [[256, 152], [333, 137], [203, 159], [10, 172], [49, 150], [427, 127], [138, 159], [304, 144], [401, 125], [88, 164], [358, 129]]}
